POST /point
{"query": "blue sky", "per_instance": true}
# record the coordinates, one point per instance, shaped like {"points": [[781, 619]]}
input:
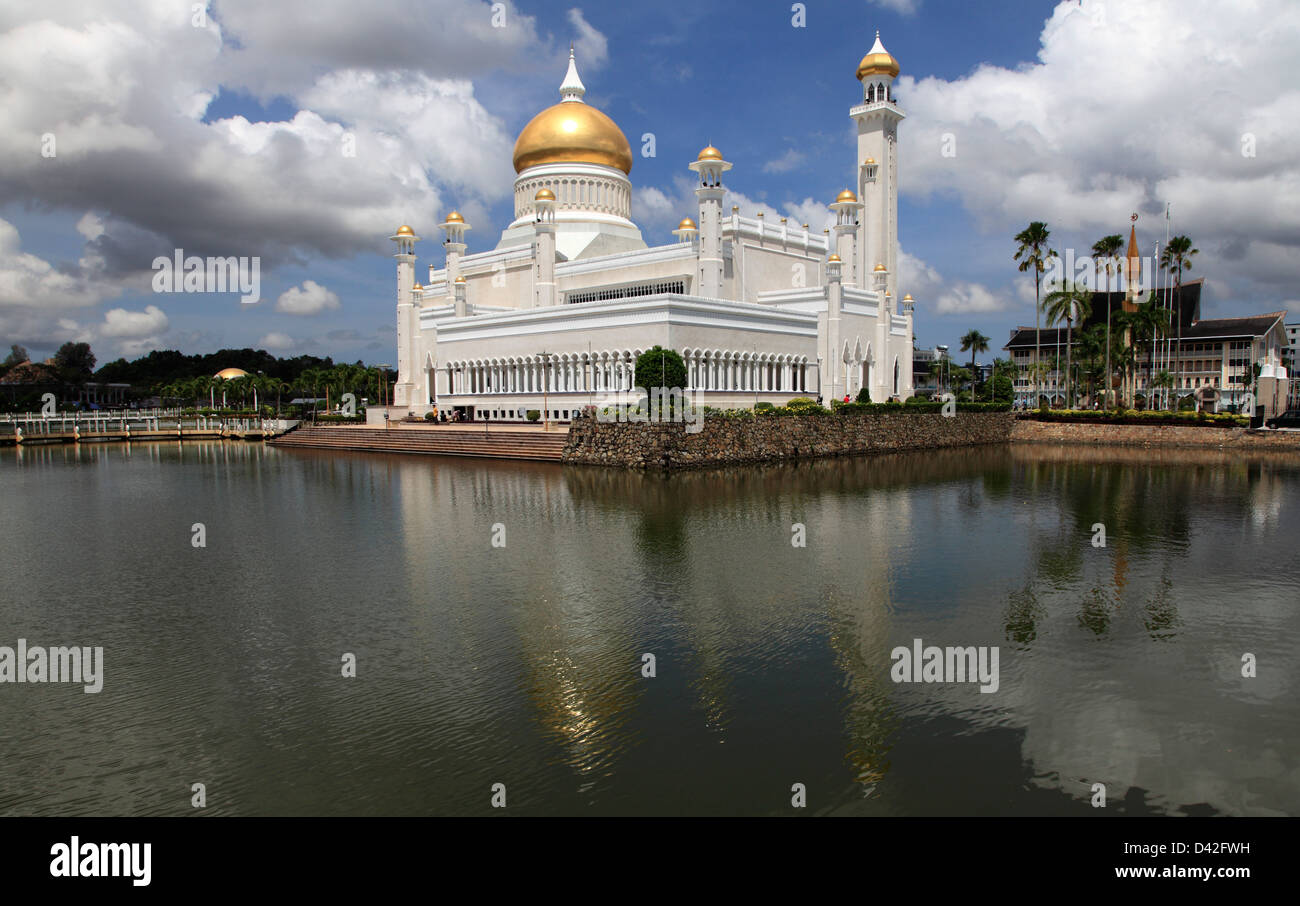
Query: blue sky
{"points": [[222, 137]]}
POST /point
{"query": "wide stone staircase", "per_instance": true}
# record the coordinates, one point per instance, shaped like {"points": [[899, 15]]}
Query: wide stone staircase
{"points": [[495, 443]]}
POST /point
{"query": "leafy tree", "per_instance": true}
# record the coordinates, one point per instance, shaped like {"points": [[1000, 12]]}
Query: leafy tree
{"points": [[17, 355], [75, 361], [660, 367]]}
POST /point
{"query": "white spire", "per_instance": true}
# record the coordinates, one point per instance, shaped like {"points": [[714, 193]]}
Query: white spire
{"points": [[877, 47], [572, 89]]}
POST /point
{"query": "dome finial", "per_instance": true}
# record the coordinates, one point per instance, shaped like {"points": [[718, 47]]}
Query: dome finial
{"points": [[572, 89]]}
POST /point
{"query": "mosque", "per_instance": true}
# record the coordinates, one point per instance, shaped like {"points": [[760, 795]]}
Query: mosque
{"points": [[556, 314]]}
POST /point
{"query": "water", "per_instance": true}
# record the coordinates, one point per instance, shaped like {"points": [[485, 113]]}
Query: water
{"points": [[521, 664]]}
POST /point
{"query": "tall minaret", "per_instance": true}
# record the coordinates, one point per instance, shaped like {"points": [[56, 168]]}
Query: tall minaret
{"points": [[455, 227], [710, 166], [877, 118], [847, 210], [407, 329], [544, 250]]}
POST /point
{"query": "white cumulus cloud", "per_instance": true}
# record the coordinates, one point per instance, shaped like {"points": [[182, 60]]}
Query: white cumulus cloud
{"points": [[309, 299]]}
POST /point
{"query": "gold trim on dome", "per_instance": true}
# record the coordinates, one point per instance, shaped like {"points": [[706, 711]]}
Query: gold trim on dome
{"points": [[572, 132]]}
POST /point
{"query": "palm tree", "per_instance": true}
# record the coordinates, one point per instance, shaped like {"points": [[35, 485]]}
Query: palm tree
{"points": [[1178, 254], [311, 379], [1092, 354], [1065, 304], [974, 342], [1034, 253], [1125, 354], [1106, 249], [1149, 323]]}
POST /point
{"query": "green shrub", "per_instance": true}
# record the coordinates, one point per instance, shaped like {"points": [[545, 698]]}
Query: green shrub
{"points": [[430, 416], [763, 407], [534, 415]]}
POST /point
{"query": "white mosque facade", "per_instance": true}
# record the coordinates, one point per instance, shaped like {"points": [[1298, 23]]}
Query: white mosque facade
{"points": [[558, 311]]}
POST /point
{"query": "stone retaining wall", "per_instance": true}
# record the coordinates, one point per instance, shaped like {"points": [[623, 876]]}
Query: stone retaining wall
{"points": [[1031, 431], [727, 441]]}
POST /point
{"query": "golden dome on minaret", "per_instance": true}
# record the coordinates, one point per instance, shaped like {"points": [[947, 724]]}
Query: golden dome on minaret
{"points": [[405, 230], [878, 61], [846, 196], [544, 195], [710, 153], [455, 217], [572, 131], [686, 224]]}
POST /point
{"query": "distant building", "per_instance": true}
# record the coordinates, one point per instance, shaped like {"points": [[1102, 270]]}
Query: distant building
{"points": [[1211, 359], [1292, 356]]}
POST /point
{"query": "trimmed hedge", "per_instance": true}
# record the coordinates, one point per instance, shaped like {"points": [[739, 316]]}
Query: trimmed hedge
{"points": [[1136, 417]]}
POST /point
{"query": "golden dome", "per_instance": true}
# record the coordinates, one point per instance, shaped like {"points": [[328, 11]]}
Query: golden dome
{"points": [[710, 153], [878, 61], [907, 297], [228, 374], [417, 287], [834, 258], [460, 280], [572, 132], [846, 196], [455, 217], [405, 230], [686, 224], [879, 268], [544, 195], [869, 162]]}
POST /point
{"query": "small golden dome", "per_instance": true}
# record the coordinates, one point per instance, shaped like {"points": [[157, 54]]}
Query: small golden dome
{"points": [[572, 132], [846, 196], [710, 153], [879, 268], [686, 224], [405, 230], [229, 374], [544, 195], [834, 258], [878, 61], [454, 217], [417, 287], [869, 162], [907, 297]]}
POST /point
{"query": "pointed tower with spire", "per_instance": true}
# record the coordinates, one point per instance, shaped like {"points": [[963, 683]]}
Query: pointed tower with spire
{"points": [[1132, 269]]}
